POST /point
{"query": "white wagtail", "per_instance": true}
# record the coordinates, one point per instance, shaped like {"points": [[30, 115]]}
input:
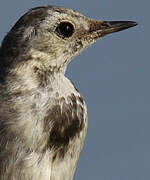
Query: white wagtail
{"points": [[43, 118]]}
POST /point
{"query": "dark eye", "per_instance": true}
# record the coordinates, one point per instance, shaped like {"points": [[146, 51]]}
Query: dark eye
{"points": [[65, 29]]}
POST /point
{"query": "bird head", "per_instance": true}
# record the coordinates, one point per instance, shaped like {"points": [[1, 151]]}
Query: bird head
{"points": [[49, 37]]}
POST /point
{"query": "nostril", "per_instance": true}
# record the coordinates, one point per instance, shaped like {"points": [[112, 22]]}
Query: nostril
{"points": [[106, 24]]}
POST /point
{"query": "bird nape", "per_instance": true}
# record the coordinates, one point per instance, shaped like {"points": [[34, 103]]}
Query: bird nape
{"points": [[43, 118]]}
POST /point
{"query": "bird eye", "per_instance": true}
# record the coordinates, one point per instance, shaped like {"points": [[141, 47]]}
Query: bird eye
{"points": [[65, 29]]}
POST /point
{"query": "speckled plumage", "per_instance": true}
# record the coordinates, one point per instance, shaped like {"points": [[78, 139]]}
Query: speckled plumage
{"points": [[43, 118]]}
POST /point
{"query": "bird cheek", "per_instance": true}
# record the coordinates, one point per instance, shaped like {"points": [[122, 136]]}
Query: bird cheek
{"points": [[77, 47]]}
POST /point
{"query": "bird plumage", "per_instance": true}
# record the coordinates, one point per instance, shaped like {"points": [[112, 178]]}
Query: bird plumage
{"points": [[43, 118]]}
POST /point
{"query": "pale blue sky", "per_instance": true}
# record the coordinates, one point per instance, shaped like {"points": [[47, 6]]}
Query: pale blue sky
{"points": [[113, 77]]}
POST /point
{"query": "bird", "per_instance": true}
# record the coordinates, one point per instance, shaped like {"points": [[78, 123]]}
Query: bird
{"points": [[43, 117]]}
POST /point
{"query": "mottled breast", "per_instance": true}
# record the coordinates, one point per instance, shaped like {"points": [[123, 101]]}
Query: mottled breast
{"points": [[67, 117]]}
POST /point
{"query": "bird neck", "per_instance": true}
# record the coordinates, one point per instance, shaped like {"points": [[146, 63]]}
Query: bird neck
{"points": [[33, 78]]}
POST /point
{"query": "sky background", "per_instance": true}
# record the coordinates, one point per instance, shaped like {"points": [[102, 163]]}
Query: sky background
{"points": [[113, 77]]}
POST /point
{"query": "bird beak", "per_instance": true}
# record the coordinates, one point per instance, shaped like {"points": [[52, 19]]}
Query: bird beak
{"points": [[107, 27], [115, 26]]}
